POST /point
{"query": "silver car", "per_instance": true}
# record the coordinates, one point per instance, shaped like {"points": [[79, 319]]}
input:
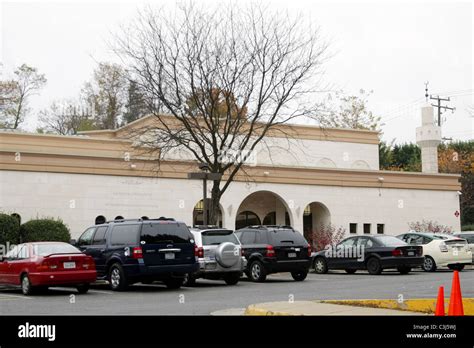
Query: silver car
{"points": [[219, 254], [469, 236]]}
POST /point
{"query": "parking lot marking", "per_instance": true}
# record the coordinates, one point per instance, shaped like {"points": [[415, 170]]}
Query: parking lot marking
{"points": [[103, 292], [13, 297]]}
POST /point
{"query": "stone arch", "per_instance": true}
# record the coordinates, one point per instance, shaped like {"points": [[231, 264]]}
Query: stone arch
{"points": [[360, 164], [315, 214], [262, 203], [326, 163]]}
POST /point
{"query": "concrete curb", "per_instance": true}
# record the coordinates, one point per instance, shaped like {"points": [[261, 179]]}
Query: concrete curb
{"points": [[254, 310], [423, 305], [318, 308]]}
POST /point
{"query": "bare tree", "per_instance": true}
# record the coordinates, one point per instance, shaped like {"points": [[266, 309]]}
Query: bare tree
{"points": [[225, 78], [105, 93], [66, 118], [15, 95], [352, 111]]}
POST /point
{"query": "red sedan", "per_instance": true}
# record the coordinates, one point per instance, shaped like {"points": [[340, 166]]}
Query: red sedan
{"points": [[39, 265]]}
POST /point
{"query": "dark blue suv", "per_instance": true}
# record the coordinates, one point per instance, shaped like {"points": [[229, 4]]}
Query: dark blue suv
{"points": [[138, 250]]}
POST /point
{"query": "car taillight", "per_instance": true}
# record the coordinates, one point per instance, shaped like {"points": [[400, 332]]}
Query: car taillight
{"points": [[198, 252], [309, 250], [88, 264], [397, 252], [270, 251], [47, 265], [137, 253], [443, 247], [241, 251]]}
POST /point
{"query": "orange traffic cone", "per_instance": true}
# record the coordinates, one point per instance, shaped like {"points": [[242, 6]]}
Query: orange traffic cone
{"points": [[440, 303], [455, 302]]}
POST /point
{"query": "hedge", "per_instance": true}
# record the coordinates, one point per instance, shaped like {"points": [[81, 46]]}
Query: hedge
{"points": [[467, 228], [43, 230], [9, 229]]}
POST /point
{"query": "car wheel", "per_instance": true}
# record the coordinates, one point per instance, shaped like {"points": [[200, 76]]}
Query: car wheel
{"points": [[83, 288], [189, 280], [456, 267], [429, 265], [404, 270], [257, 271], [232, 278], [350, 271], [26, 287], [299, 275], [117, 278], [320, 266], [374, 266], [174, 283]]}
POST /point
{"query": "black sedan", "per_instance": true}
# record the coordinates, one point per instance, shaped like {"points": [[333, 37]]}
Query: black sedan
{"points": [[371, 253]]}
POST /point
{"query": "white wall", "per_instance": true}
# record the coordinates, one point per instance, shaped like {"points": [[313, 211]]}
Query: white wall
{"points": [[79, 198], [305, 153]]}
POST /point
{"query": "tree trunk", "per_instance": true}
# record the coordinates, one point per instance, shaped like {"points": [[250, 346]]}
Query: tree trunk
{"points": [[214, 206]]}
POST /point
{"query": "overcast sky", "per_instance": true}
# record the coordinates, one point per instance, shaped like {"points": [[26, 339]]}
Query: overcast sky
{"points": [[390, 47]]}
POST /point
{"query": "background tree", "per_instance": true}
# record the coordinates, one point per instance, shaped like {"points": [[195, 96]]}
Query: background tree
{"points": [[66, 118], [385, 155], [105, 94], [135, 106], [15, 95], [197, 65], [453, 158], [352, 112]]}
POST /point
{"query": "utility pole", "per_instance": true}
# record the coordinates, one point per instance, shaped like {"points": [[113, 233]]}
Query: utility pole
{"points": [[440, 107]]}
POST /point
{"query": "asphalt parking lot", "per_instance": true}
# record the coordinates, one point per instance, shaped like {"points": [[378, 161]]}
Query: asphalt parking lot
{"points": [[210, 296]]}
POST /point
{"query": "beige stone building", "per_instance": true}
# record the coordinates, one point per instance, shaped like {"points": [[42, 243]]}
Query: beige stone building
{"points": [[315, 176]]}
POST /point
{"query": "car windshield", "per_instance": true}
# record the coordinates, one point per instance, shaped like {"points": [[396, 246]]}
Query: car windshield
{"points": [[286, 236], [390, 241], [217, 237], [441, 236], [48, 249], [155, 233]]}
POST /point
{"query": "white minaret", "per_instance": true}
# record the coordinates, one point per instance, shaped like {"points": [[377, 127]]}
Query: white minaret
{"points": [[428, 137]]}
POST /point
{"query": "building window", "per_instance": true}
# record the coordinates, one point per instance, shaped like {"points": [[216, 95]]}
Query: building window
{"points": [[353, 228], [366, 228], [380, 228]]}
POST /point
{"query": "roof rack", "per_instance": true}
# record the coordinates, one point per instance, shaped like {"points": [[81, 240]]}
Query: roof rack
{"points": [[161, 218], [270, 226], [206, 227]]}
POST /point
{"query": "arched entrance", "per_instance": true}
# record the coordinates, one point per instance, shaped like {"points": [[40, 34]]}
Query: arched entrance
{"points": [[262, 207], [315, 215], [198, 213]]}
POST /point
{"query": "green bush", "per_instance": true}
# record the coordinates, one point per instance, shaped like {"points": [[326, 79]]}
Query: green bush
{"points": [[467, 228], [9, 229], [44, 230]]}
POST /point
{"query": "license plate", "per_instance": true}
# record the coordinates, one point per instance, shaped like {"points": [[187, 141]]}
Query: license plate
{"points": [[169, 256], [69, 265], [411, 253], [291, 254]]}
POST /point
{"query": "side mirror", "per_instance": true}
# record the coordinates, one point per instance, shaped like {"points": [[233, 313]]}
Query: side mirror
{"points": [[73, 242]]}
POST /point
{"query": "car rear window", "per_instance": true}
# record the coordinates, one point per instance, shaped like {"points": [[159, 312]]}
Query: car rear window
{"points": [[390, 241], [49, 249], [124, 235], [156, 233], [217, 237], [287, 237]]}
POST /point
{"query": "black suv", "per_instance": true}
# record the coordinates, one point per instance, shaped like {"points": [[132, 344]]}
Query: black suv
{"points": [[271, 249], [138, 250]]}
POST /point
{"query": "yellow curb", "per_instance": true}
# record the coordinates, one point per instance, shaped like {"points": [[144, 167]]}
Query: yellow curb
{"points": [[253, 310], [424, 305]]}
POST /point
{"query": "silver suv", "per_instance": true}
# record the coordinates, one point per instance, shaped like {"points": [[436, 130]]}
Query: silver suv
{"points": [[219, 255]]}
